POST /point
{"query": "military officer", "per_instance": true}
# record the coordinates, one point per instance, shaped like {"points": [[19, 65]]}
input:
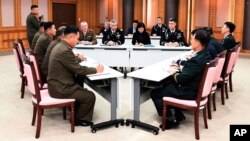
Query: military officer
{"points": [[87, 36], [158, 28], [114, 35], [105, 28], [32, 23], [172, 36], [227, 30], [37, 35]]}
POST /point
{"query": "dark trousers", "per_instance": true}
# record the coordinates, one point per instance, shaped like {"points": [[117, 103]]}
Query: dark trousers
{"points": [[85, 102]]}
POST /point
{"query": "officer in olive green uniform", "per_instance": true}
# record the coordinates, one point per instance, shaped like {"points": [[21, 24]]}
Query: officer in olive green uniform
{"points": [[32, 23], [37, 35], [87, 36], [63, 67], [44, 41]]}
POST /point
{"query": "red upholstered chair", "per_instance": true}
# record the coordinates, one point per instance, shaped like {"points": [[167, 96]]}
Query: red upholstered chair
{"points": [[227, 70], [221, 61], [201, 101], [20, 67], [21, 47], [33, 58], [236, 59], [42, 100]]}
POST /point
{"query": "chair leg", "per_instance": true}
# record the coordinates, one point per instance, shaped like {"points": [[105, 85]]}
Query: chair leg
{"points": [[164, 113], [72, 110], [196, 124], [209, 107], [34, 115], [39, 122], [226, 91], [64, 113], [230, 82], [214, 104], [23, 86], [222, 94], [205, 117]]}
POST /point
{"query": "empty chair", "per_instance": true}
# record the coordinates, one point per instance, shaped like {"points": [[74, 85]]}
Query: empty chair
{"points": [[42, 100], [230, 75], [20, 67], [227, 70], [221, 61], [201, 98]]}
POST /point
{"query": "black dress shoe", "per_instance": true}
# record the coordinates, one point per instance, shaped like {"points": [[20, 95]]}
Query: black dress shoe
{"points": [[179, 115], [83, 123], [171, 124]]}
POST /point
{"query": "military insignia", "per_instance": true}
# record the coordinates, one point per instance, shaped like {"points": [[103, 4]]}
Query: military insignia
{"points": [[166, 35], [118, 35], [179, 36], [108, 37]]}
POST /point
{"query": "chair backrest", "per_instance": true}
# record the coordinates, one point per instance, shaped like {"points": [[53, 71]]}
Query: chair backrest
{"points": [[229, 62], [30, 73], [220, 65], [206, 81], [18, 58], [21, 47], [33, 58], [237, 53]]}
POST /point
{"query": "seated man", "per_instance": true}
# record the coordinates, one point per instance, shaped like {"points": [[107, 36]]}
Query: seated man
{"points": [[87, 36], [132, 29], [105, 28], [228, 41], [158, 28], [172, 36], [114, 35], [44, 41], [184, 83], [37, 35], [63, 67], [214, 47], [45, 64]]}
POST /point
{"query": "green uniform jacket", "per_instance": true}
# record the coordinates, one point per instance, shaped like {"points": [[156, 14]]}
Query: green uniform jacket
{"points": [[41, 47], [32, 25], [35, 38], [89, 36], [63, 67]]}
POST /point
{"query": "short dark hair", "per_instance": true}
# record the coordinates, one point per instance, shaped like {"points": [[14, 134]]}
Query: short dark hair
{"points": [[33, 6], [209, 30], [71, 29], [202, 36], [141, 24], [231, 26], [172, 20], [60, 30], [48, 25], [42, 24], [135, 21], [159, 17]]}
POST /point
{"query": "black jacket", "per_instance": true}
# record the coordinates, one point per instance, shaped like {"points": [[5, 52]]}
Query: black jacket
{"points": [[117, 37], [228, 42], [158, 30], [141, 38], [176, 36]]}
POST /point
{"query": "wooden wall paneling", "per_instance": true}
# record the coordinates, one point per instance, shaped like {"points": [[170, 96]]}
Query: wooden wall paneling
{"points": [[110, 9], [120, 17], [138, 10], [238, 19], [183, 16], [161, 10]]}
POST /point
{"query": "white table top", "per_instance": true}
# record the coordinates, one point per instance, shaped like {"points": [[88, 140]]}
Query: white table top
{"points": [[156, 72], [106, 74]]}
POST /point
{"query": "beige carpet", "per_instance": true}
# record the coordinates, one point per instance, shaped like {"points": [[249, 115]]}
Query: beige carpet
{"points": [[16, 113]]}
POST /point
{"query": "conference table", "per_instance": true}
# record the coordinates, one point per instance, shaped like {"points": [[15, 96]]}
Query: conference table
{"points": [[155, 40], [108, 89], [144, 81], [155, 61], [129, 55]]}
